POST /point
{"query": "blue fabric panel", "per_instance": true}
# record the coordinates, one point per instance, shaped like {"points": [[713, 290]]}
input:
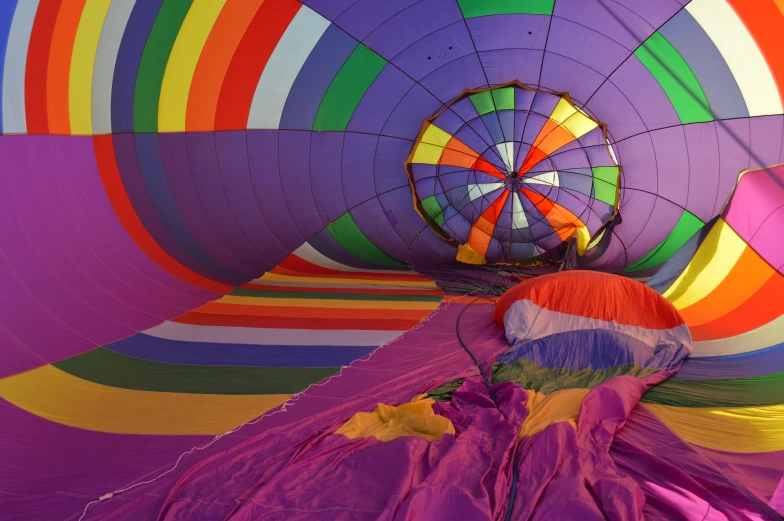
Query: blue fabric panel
{"points": [[203, 353]]}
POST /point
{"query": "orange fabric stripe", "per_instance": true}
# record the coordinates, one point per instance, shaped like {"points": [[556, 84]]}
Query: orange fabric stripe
{"points": [[115, 191], [748, 275], [364, 291], [249, 60], [37, 67], [283, 322], [218, 308], [293, 265], [214, 61], [552, 137], [59, 71], [562, 220], [482, 230], [766, 25], [456, 158], [764, 306]]}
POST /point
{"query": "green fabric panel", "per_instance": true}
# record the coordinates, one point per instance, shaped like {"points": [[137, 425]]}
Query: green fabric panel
{"points": [[433, 209], [739, 392], [684, 229], [444, 392], [247, 292], [113, 369], [530, 376], [348, 234], [156, 53], [605, 183], [483, 102], [504, 99], [347, 88], [676, 78], [473, 8]]}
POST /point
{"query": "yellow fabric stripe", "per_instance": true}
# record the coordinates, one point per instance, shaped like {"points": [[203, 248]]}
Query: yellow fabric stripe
{"points": [[572, 119], [60, 397], [327, 303], [730, 429], [713, 261], [579, 124], [431, 146], [562, 111], [182, 63], [80, 82], [426, 154], [377, 282]]}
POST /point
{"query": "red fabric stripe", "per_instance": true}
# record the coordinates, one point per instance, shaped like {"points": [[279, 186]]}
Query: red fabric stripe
{"points": [[222, 308], [249, 61], [363, 291], [300, 267], [115, 191], [764, 306], [284, 322], [766, 25], [594, 295], [37, 66]]}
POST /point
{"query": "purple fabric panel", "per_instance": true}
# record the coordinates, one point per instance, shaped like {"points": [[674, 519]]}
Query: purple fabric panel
{"points": [[562, 74], [452, 78], [41, 261], [658, 162], [509, 31], [760, 473], [294, 173], [645, 94], [629, 23], [178, 292], [371, 219], [174, 154], [504, 65], [326, 161], [434, 51], [357, 181], [703, 162], [128, 166], [267, 183], [27, 346], [329, 9], [384, 95], [610, 106], [107, 238], [232, 152], [388, 170], [734, 157], [406, 119], [207, 177], [767, 140], [53, 470], [68, 212], [678, 482], [361, 17], [419, 478], [578, 44], [756, 213], [426, 246], [417, 361], [663, 218], [15, 357], [410, 25]]}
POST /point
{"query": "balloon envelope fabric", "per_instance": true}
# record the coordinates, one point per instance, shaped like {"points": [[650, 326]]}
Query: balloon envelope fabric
{"points": [[213, 214]]}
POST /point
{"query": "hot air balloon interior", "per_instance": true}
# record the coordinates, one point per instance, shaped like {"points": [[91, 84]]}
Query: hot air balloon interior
{"points": [[391, 260]]}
